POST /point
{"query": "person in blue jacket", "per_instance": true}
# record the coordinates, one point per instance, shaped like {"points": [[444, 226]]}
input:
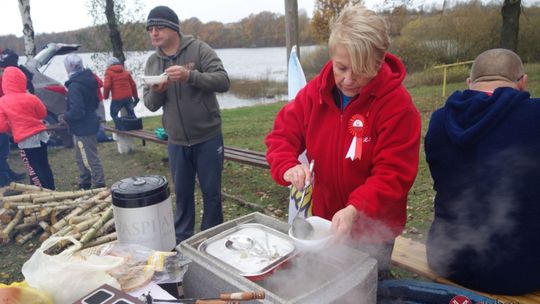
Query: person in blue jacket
{"points": [[83, 121], [482, 148]]}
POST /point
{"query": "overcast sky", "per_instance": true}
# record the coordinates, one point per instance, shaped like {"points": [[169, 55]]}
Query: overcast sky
{"points": [[64, 15]]}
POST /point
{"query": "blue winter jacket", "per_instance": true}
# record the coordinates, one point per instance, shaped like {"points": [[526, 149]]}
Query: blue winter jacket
{"points": [[83, 101], [483, 152]]}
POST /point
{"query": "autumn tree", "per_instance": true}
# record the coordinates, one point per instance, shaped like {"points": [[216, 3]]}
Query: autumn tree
{"points": [[456, 35], [212, 33], [306, 31], [529, 44], [326, 11], [191, 26], [510, 13], [264, 29]]}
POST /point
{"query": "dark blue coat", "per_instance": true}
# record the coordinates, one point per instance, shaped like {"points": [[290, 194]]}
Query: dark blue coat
{"points": [[484, 155], [82, 103]]}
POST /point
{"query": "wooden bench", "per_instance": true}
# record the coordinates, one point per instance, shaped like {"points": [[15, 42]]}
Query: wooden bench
{"points": [[411, 255], [248, 157]]}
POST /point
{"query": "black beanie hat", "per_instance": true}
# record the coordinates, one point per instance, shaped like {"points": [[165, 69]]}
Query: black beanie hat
{"points": [[163, 16], [9, 58]]}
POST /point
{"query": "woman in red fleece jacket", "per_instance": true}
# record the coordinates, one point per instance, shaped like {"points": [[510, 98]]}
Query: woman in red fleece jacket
{"points": [[358, 123], [22, 114]]}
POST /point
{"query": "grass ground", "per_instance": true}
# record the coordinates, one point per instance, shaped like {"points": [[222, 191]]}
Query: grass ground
{"points": [[245, 128]]}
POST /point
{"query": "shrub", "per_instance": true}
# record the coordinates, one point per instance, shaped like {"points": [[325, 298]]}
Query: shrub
{"points": [[263, 87], [432, 76], [313, 61]]}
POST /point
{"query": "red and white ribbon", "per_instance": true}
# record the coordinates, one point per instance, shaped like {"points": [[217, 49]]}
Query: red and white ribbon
{"points": [[356, 126]]}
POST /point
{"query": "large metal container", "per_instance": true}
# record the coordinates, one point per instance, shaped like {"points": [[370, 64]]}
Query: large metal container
{"points": [[143, 212], [253, 250], [333, 275]]}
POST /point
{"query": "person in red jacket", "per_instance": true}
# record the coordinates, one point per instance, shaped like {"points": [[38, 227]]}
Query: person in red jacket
{"points": [[22, 114], [7, 175], [120, 85], [358, 123], [101, 135]]}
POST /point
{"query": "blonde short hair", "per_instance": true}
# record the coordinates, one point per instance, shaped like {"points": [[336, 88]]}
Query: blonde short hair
{"points": [[497, 65], [364, 35]]}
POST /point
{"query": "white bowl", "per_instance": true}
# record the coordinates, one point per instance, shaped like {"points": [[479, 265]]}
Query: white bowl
{"points": [[152, 80], [319, 238]]}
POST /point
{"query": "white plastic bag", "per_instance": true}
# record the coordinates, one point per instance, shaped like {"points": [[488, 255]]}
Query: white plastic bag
{"points": [[67, 277]]}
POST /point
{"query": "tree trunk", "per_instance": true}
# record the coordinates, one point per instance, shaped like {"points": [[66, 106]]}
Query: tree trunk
{"points": [[114, 33], [28, 28], [510, 12], [291, 26]]}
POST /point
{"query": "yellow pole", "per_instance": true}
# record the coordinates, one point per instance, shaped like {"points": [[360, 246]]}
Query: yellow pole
{"points": [[445, 71], [444, 82]]}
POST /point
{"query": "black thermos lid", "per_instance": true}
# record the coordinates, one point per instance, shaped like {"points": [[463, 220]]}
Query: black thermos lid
{"points": [[140, 191]]}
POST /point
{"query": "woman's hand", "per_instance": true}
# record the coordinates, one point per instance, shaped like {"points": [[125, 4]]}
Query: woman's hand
{"points": [[299, 176], [344, 221]]}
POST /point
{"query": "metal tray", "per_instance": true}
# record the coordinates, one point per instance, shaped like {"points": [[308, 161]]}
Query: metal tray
{"points": [[252, 249]]}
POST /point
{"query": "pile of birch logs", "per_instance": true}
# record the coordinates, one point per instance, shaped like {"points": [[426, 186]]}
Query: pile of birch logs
{"points": [[86, 215]]}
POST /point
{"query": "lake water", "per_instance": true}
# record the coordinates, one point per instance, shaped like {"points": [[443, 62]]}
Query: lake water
{"points": [[249, 63]]}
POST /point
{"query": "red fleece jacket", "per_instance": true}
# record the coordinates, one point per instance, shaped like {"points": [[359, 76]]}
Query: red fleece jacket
{"points": [[376, 185], [119, 83], [21, 113]]}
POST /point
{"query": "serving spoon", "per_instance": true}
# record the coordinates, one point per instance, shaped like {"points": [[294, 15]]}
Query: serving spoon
{"points": [[244, 243], [301, 228]]}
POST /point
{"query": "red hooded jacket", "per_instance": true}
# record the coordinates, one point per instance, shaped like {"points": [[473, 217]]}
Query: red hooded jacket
{"points": [[119, 83], [21, 113], [376, 185]]}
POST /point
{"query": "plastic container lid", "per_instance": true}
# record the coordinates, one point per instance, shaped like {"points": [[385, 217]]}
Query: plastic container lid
{"points": [[140, 191]]}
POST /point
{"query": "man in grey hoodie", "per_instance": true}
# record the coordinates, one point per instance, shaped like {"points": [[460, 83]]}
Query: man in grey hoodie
{"points": [[191, 116]]}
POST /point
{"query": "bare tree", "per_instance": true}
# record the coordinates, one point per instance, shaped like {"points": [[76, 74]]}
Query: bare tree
{"points": [[116, 14], [510, 12], [114, 33], [28, 28]]}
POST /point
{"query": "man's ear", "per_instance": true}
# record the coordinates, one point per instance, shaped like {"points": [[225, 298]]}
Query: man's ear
{"points": [[522, 83], [468, 82]]}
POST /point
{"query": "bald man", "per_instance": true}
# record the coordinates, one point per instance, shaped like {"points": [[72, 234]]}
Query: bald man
{"points": [[482, 148]]}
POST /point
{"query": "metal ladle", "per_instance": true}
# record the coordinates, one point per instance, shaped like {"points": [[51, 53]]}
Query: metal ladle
{"points": [[301, 228], [244, 243], [240, 243]]}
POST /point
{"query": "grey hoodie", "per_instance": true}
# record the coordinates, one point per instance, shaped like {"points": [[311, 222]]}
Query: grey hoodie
{"points": [[191, 112]]}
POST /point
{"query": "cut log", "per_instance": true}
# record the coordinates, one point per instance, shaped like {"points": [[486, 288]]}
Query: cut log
{"points": [[6, 215], [35, 218], [28, 197], [109, 225], [83, 226], [25, 226], [5, 235], [90, 234], [102, 240], [23, 187], [15, 205], [67, 195], [81, 218]]}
